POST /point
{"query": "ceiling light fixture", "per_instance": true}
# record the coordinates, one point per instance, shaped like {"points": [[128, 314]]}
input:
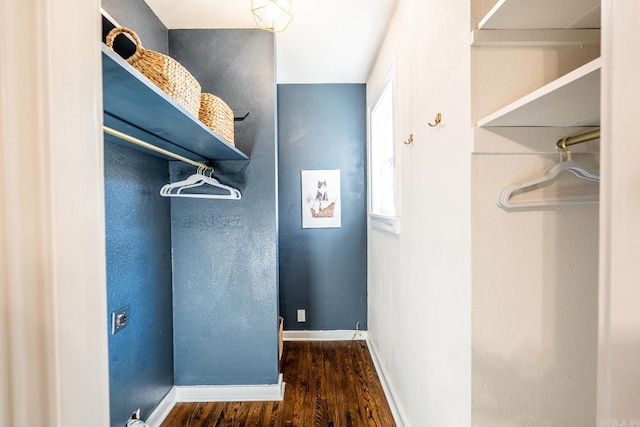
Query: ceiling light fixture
{"points": [[272, 15]]}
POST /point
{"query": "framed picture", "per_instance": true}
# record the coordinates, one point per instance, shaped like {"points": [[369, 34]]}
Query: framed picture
{"points": [[321, 199]]}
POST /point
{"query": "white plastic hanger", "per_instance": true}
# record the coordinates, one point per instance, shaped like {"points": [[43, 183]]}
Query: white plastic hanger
{"points": [[196, 180], [577, 168]]}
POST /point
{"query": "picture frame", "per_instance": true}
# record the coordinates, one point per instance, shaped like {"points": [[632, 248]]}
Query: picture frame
{"points": [[321, 201]]}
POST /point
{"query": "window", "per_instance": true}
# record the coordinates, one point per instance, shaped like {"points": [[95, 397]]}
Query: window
{"points": [[382, 169]]}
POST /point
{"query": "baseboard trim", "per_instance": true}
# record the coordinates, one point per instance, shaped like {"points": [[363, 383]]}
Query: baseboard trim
{"points": [[232, 393], [337, 335], [396, 411], [162, 410], [216, 393]]}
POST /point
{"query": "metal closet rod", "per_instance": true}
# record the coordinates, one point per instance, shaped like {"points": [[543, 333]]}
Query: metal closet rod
{"points": [[572, 140], [151, 147]]}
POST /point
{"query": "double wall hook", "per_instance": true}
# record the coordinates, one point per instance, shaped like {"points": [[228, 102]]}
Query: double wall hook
{"points": [[410, 140], [438, 120]]}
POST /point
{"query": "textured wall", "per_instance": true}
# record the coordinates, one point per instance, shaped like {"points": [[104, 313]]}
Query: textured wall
{"points": [[138, 16], [138, 275], [535, 294], [225, 252], [138, 254], [419, 281], [323, 270], [534, 270]]}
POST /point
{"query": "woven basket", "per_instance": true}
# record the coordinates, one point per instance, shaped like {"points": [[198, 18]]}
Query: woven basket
{"points": [[166, 73], [216, 114], [324, 213]]}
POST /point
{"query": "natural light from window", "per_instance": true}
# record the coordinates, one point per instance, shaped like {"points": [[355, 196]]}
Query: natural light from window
{"points": [[383, 191], [382, 154]]}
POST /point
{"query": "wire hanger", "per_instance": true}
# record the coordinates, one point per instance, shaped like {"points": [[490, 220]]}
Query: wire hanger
{"points": [[196, 180], [578, 169]]}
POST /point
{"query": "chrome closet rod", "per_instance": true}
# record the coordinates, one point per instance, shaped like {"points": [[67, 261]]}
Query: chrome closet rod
{"points": [[572, 140], [151, 147]]}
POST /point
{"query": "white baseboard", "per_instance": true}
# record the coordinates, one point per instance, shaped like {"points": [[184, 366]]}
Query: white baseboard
{"points": [[231, 393], [396, 411], [162, 410], [338, 335], [271, 392], [216, 393]]}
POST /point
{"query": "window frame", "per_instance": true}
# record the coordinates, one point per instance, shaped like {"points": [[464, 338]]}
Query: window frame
{"points": [[378, 220]]}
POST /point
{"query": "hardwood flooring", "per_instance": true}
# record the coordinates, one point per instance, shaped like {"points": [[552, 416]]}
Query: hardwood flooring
{"points": [[329, 384]]}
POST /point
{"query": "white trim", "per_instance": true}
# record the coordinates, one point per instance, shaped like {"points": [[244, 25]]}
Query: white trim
{"points": [[232, 393], [337, 335], [492, 12], [109, 18], [535, 38], [272, 392], [396, 410], [159, 414], [54, 352], [389, 80], [390, 224], [618, 317], [216, 393]]}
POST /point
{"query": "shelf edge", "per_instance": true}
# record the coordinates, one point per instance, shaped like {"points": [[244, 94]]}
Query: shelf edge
{"points": [[143, 80], [490, 14], [537, 38], [574, 75]]}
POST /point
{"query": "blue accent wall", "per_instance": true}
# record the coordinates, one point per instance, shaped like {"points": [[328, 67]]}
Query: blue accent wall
{"points": [[225, 251], [324, 271], [138, 240]]}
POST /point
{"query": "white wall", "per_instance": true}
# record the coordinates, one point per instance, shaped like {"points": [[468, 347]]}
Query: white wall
{"points": [[419, 281], [535, 297], [53, 343], [619, 337], [534, 270]]}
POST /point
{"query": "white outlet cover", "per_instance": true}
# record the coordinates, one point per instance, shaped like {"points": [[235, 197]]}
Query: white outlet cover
{"points": [[302, 317]]}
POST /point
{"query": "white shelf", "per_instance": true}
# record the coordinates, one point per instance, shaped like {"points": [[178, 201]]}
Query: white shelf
{"points": [[535, 38], [571, 100], [542, 14]]}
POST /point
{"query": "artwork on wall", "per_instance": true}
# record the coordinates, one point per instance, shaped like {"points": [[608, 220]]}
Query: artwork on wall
{"points": [[321, 199]]}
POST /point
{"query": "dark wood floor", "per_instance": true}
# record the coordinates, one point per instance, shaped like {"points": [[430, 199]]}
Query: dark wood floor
{"points": [[330, 383]]}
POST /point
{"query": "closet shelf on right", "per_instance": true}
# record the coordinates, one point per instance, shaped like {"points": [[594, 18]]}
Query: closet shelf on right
{"points": [[572, 99]]}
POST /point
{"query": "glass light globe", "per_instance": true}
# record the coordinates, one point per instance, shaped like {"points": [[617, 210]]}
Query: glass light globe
{"points": [[272, 15]]}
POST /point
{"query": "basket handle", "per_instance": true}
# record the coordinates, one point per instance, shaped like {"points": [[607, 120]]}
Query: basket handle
{"points": [[120, 30]]}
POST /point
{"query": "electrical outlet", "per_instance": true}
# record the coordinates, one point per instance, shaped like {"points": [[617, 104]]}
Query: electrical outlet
{"points": [[302, 316], [119, 319]]}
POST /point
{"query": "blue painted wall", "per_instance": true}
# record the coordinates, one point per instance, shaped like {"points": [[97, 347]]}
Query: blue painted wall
{"points": [[138, 248], [138, 238], [138, 16], [224, 251], [323, 271]]}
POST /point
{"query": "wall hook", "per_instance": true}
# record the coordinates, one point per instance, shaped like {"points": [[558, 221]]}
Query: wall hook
{"points": [[438, 120], [239, 119], [410, 141]]}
